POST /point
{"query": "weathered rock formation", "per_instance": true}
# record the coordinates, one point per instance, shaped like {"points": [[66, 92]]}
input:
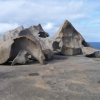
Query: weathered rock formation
{"points": [[46, 46], [11, 34], [41, 36], [91, 52], [21, 43], [68, 40], [12, 48], [36, 31], [21, 58], [36, 34]]}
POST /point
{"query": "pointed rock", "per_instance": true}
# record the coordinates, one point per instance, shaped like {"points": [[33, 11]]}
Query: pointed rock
{"points": [[31, 33], [69, 40], [38, 31]]}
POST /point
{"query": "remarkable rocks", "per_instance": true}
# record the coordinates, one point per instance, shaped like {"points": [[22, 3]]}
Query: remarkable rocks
{"points": [[38, 31], [68, 40], [22, 44], [5, 49], [46, 47], [42, 37], [64, 78], [91, 52], [21, 58], [11, 34], [11, 48]]}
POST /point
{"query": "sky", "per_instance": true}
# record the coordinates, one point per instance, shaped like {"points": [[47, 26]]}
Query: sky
{"points": [[83, 14]]}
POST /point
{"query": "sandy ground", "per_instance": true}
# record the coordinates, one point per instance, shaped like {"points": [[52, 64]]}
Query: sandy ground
{"points": [[62, 78]]}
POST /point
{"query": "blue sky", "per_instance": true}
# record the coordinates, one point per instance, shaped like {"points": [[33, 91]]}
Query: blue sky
{"points": [[83, 14]]}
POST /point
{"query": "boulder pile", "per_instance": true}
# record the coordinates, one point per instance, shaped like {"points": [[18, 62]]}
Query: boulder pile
{"points": [[20, 45]]}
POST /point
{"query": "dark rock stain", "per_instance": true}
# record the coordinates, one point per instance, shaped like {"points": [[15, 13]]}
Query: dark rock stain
{"points": [[34, 74]]}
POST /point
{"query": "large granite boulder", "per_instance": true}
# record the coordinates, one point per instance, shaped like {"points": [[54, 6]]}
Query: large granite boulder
{"points": [[91, 52], [42, 38], [36, 31], [68, 40], [36, 34], [18, 49], [46, 45]]}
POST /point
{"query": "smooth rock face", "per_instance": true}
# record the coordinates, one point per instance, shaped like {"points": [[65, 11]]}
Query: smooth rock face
{"points": [[20, 31], [91, 52], [11, 48], [11, 34], [27, 44], [70, 51], [5, 49], [64, 78], [46, 46], [21, 58], [33, 33], [69, 40], [42, 37]]}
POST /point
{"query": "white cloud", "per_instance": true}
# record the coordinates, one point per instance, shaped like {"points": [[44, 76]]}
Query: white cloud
{"points": [[78, 16], [5, 27], [48, 26]]}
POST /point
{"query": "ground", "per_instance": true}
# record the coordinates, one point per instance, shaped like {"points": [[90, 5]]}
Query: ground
{"points": [[62, 78]]}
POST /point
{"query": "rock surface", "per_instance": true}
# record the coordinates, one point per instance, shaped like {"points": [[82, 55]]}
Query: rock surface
{"points": [[11, 47], [91, 52], [21, 58], [33, 33], [5, 49], [38, 31], [69, 40], [11, 34], [46, 46], [63, 78]]}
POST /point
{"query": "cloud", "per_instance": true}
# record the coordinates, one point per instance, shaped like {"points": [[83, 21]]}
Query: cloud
{"points": [[83, 14], [90, 33], [48, 26], [6, 26], [78, 16]]}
